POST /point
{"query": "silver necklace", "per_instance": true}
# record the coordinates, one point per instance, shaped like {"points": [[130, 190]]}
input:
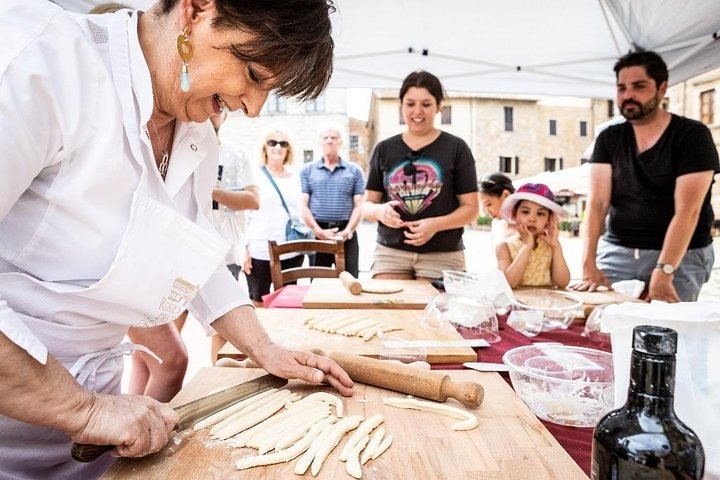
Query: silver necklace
{"points": [[165, 159]]}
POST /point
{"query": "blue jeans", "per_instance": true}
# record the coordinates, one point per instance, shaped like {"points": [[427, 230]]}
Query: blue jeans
{"points": [[623, 263]]}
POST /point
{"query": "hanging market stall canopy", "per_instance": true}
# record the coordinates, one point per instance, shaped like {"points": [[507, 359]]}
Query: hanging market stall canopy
{"points": [[568, 182], [553, 47], [550, 47]]}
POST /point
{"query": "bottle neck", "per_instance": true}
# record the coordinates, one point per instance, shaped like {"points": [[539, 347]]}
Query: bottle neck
{"points": [[652, 382]]}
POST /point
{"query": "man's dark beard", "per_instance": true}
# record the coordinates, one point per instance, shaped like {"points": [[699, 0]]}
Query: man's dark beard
{"points": [[644, 110]]}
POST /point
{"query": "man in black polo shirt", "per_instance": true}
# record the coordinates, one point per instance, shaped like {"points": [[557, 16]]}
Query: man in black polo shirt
{"points": [[333, 190], [652, 176]]}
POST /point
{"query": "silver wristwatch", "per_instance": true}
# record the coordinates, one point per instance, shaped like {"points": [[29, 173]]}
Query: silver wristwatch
{"points": [[665, 268]]}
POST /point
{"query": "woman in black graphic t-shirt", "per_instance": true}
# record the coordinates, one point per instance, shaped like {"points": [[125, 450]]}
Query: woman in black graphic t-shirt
{"points": [[421, 189]]}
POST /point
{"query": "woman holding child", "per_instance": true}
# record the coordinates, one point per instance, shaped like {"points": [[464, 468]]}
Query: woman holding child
{"points": [[533, 257], [421, 190]]}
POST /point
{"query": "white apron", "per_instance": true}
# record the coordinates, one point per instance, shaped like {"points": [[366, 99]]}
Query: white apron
{"points": [[162, 262]]}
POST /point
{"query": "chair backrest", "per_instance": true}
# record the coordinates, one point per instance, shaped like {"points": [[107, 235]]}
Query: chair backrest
{"points": [[280, 277]]}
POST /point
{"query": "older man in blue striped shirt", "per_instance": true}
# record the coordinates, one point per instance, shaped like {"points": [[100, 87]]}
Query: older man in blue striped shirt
{"points": [[332, 197]]}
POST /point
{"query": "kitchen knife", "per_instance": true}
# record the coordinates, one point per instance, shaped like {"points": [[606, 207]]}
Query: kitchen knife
{"points": [[487, 366], [192, 412]]}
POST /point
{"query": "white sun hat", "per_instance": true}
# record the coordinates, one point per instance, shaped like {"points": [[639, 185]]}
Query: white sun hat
{"points": [[535, 192]]}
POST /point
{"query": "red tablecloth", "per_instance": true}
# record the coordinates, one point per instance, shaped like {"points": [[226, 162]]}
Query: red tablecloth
{"points": [[575, 440]]}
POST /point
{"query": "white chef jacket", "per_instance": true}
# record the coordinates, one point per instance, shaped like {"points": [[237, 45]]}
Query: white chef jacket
{"points": [[74, 157]]}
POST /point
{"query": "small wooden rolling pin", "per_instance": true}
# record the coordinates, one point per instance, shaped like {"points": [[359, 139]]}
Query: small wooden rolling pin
{"points": [[351, 283], [404, 379]]}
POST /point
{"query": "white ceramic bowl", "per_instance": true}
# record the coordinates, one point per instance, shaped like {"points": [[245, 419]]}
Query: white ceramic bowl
{"points": [[559, 308], [564, 385]]}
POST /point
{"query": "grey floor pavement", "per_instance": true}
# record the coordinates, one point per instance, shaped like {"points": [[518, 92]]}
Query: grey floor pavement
{"points": [[479, 257]]}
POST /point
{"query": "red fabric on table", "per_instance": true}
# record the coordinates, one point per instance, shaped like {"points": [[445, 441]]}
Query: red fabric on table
{"points": [[576, 441], [289, 296]]}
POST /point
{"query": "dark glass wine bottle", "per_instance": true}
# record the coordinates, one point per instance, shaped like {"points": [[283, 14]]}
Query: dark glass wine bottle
{"points": [[644, 439]]}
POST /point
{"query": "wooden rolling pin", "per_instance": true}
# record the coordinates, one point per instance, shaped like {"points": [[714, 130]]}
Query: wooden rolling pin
{"points": [[404, 379], [351, 283]]}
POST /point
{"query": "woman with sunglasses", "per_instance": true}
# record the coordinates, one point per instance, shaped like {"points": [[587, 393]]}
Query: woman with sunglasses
{"points": [[268, 222], [421, 190], [494, 189]]}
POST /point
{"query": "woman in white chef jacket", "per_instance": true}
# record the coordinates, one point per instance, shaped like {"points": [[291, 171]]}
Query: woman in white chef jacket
{"points": [[106, 168]]}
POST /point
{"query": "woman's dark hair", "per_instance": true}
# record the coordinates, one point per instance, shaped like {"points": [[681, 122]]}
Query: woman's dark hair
{"points": [[495, 184], [652, 62], [423, 79], [291, 39]]}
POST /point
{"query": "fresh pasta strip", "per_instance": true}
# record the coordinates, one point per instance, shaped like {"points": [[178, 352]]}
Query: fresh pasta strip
{"points": [[365, 428], [246, 437], [304, 462], [320, 396], [250, 419], [384, 445], [284, 455], [352, 467], [331, 441], [267, 439], [284, 394], [223, 414], [291, 436], [469, 421], [372, 445]]}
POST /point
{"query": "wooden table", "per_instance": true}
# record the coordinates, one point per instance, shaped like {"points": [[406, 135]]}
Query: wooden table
{"points": [[285, 326], [331, 293], [509, 442]]}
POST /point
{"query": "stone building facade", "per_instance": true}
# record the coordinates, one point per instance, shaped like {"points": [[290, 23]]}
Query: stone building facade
{"points": [[518, 135]]}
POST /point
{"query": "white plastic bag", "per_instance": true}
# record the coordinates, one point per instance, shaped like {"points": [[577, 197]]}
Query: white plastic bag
{"points": [[697, 371]]}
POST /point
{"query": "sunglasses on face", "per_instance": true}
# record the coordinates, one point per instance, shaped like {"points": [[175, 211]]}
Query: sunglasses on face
{"points": [[273, 143]]}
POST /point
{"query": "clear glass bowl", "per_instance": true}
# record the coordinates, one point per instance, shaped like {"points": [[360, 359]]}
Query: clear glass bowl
{"points": [[565, 385], [463, 284], [559, 308]]}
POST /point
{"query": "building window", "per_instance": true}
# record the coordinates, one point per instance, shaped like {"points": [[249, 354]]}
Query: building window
{"points": [[506, 165], [401, 119], [611, 109], [446, 115], [707, 107], [276, 104], [354, 143], [508, 119], [553, 127], [317, 105], [551, 164], [583, 129], [517, 165], [307, 156]]}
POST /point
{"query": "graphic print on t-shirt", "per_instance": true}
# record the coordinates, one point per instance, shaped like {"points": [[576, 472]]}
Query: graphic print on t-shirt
{"points": [[415, 184]]}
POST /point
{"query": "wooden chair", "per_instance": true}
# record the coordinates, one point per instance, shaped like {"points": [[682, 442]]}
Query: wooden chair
{"points": [[280, 277]]}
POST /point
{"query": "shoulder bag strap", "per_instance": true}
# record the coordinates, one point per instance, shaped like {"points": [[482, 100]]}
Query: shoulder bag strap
{"points": [[267, 173]]}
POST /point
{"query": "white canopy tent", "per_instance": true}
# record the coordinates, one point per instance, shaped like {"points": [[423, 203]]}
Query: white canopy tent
{"points": [[553, 47]]}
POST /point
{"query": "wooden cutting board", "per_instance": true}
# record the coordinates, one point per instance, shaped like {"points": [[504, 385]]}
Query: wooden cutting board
{"points": [[331, 293], [285, 326], [509, 442]]}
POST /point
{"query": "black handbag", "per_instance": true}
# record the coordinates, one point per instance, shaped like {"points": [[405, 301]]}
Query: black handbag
{"points": [[294, 229]]}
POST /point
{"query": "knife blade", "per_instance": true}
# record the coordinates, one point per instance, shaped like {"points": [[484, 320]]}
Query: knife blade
{"points": [[487, 366], [192, 412]]}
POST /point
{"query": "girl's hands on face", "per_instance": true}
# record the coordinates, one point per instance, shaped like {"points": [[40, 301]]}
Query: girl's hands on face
{"points": [[550, 235], [526, 236]]}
